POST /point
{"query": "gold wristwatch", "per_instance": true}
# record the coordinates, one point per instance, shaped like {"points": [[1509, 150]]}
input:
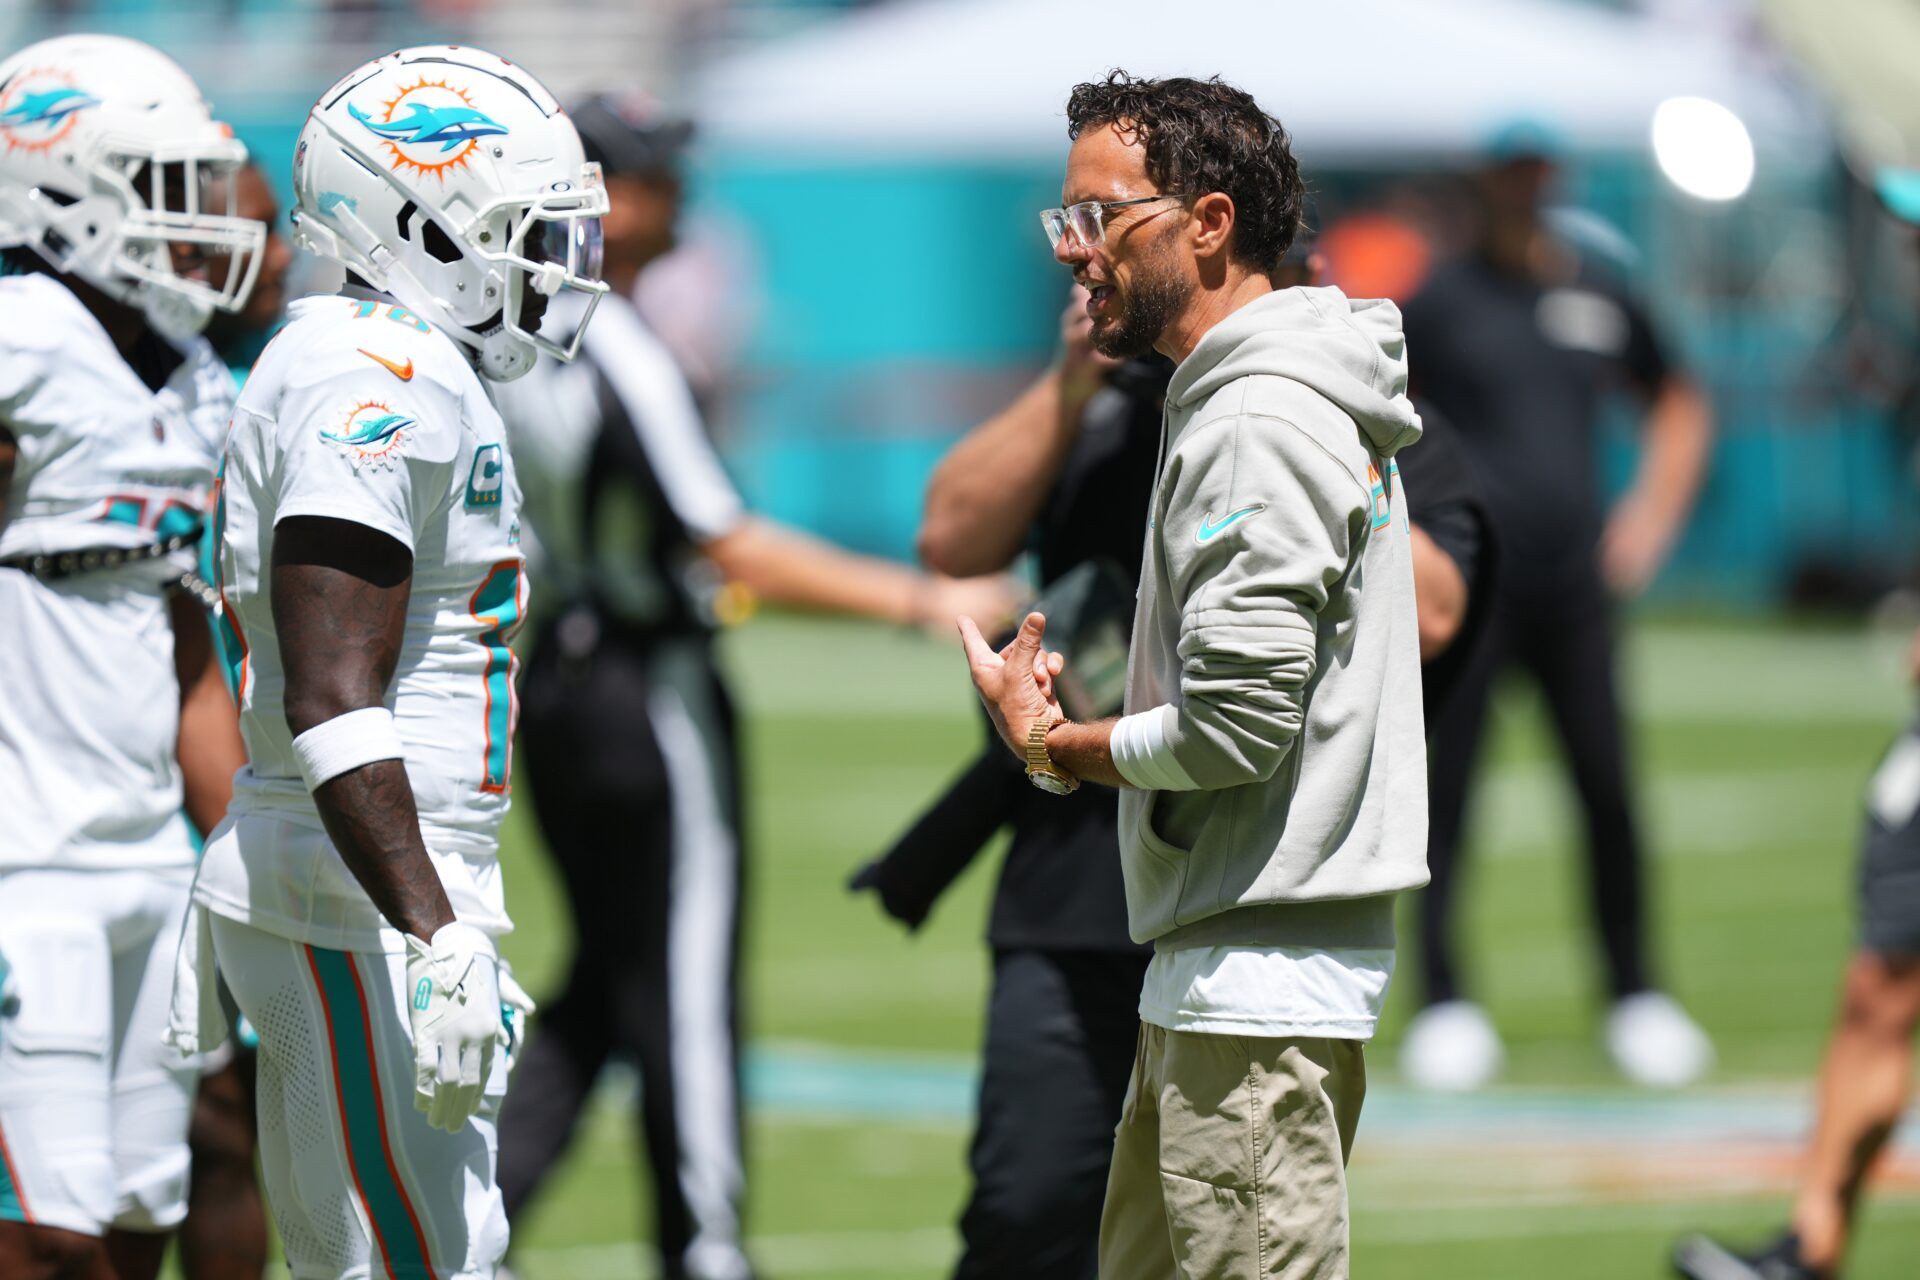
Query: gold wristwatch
{"points": [[1042, 772]]}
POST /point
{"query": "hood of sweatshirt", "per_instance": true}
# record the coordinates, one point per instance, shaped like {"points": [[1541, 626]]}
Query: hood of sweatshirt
{"points": [[1349, 350]]}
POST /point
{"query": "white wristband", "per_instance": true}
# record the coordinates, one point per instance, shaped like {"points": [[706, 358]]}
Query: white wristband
{"points": [[346, 742]]}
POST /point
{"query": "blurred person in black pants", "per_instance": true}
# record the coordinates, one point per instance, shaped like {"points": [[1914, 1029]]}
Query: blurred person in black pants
{"points": [[1067, 471], [1519, 343], [639, 547]]}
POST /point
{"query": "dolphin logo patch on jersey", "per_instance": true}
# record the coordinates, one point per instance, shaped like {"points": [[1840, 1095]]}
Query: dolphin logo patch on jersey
{"points": [[373, 432]]}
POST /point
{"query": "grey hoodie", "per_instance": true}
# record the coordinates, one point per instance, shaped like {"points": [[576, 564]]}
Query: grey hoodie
{"points": [[1274, 682]]}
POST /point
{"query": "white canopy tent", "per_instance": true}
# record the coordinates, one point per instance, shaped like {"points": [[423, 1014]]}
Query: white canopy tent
{"points": [[1363, 81]]}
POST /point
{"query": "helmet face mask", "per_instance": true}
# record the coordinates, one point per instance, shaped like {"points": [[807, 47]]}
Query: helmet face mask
{"points": [[452, 180], [555, 249], [114, 172], [188, 237]]}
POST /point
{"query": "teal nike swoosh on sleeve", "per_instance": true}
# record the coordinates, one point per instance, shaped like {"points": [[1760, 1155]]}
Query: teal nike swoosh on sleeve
{"points": [[1206, 531]]}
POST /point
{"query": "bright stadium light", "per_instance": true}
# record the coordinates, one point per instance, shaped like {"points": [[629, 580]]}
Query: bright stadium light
{"points": [[1703, 148]]}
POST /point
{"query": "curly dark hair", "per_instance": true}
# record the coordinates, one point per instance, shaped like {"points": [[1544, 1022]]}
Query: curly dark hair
{"points": [[1203, 136]]}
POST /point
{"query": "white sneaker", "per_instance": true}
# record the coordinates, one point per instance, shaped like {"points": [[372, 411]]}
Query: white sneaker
{"points": [[1655, 1043], [1451, 1047]]}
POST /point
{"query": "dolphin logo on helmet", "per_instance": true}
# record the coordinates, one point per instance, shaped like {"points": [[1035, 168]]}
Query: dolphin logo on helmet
{"points": [[449, 126], [48, 106]]}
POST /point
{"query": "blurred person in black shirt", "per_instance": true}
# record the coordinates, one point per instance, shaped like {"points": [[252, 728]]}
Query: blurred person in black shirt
{"points": [[1519, 343], [1067, 471]]}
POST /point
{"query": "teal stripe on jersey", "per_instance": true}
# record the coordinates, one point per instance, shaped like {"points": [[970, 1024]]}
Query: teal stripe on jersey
{"points": [[497, 601], [13, 1208], [362, 1113]]}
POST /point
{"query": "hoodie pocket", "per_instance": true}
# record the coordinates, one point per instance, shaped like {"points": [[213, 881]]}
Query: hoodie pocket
{"points": [[1156, 878]]}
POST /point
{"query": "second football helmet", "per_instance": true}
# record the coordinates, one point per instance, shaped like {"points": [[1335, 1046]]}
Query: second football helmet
{"points": [[114, 171]]}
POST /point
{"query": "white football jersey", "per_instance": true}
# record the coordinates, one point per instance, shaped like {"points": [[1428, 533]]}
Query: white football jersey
{"points": [[359, 411], [89, 701]]}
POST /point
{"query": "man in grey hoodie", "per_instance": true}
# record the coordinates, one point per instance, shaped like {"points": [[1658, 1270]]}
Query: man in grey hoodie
{"points": [[1271, 761]]}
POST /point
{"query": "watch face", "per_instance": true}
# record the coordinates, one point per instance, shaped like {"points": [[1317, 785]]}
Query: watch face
{"points": [[1052, 783]]}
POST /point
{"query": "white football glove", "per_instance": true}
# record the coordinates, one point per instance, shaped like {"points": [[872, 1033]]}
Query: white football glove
{"points": [[453, 1000]]}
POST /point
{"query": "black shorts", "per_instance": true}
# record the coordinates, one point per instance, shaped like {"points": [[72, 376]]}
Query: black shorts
{"points": [[1890, 852]]}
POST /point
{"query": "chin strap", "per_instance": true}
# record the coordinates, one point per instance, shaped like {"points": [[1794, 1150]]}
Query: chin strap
{"points": [[174, 315], [504, 356]]}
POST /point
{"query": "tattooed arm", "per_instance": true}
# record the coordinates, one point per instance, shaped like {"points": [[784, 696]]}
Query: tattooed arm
{"points": [[340, 594]]}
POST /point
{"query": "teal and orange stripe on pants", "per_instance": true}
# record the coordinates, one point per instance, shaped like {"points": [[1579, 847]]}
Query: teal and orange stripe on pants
{"points": [[13, 1200], [363, 1116]]}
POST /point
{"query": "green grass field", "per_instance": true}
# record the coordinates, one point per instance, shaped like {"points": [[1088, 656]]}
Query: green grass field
{"points": [[1753, 742]]}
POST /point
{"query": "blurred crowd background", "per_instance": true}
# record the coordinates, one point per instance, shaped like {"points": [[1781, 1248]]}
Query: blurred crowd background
{"points": [[862, 279]]}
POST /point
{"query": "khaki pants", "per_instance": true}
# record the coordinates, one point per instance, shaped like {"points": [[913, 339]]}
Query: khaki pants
{"points": [[1229, 1162]]}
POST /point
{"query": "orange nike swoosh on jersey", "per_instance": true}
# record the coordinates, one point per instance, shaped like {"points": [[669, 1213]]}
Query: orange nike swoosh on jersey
{"points": [[404, 372]]}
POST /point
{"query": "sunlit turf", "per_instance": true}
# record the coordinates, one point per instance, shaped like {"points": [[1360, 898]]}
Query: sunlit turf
{"points": [[1752, 742]]}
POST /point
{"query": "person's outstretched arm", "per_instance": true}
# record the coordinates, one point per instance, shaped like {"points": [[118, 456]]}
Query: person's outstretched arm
{"points": [[784, 566], [985, 493]]}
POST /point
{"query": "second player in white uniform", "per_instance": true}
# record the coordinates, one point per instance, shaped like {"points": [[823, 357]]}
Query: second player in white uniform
{"points": [[111, 711], [372, 582]]}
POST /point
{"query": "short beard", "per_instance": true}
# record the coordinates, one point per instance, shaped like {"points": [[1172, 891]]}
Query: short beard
{"points": [[1157, 296]]}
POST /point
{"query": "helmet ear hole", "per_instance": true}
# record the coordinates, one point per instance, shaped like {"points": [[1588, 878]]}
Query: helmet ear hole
{"points": [[438, 243]]}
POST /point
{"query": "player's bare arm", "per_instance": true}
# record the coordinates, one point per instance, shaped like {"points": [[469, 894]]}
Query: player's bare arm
{"points": [[210, 749], [340, 594]]}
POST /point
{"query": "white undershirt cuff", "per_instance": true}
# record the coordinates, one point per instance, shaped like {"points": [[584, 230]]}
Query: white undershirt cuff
{"points": [[1143, 753]]}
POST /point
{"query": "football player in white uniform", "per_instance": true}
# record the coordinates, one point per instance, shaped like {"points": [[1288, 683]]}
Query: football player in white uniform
{"points": [[112, 711], [372, 580]]}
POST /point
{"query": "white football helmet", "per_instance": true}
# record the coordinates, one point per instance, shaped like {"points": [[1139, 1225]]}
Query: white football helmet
{"points": [[451, 179], [114, 171]]}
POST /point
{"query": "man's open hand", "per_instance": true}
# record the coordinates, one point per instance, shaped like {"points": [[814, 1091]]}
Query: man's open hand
{"points": [[1016, 684]]}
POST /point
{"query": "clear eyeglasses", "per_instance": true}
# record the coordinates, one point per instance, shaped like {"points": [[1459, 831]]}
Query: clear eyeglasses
{"points": [[1088, 219]]}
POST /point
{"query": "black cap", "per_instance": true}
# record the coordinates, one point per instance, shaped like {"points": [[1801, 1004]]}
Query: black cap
{"points": [[629, 135]]}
